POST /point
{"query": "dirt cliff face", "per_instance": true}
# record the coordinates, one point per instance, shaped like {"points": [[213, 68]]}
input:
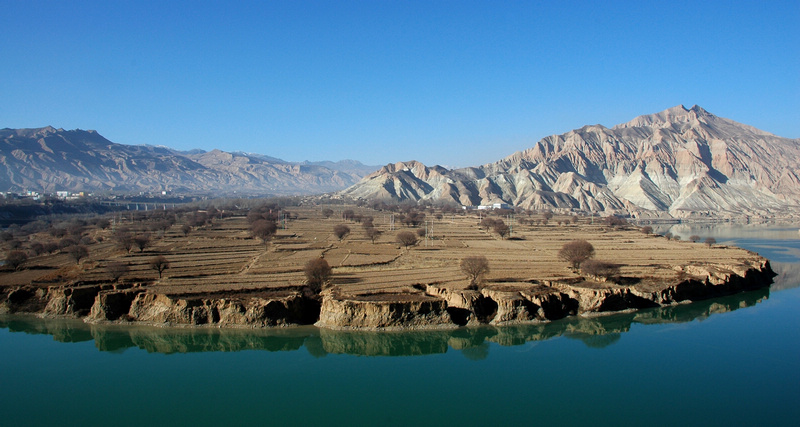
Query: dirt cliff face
{"points": [[434, 307]]}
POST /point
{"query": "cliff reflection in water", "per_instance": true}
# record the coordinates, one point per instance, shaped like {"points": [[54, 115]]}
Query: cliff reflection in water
{"points": [[472, 342]]}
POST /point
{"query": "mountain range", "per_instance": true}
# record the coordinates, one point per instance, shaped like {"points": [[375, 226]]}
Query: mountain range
{"points": [[48, 159], [679, 162]]}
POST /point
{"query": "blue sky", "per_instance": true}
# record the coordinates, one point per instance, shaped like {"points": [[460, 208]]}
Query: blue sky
{"points": [[456, 83]]}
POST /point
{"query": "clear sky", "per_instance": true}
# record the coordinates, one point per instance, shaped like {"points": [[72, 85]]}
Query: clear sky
{"points": [[456, 83]]}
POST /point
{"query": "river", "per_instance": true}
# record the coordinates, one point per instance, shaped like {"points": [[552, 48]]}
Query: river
{"points": [[727, 361]]}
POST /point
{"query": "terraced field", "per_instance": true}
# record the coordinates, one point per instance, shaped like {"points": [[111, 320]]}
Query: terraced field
{"points": [[222, 257]]}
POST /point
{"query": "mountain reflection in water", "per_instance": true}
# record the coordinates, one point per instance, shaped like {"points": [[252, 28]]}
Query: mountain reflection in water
{"points": [[472, 342]]}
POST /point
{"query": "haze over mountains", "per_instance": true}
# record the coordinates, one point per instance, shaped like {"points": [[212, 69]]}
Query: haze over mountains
{"points": [[679, 162], [49, 160]]}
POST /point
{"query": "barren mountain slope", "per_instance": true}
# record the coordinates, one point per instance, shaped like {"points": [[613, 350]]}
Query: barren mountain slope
{"points": [[49, 159], [679, 162]]}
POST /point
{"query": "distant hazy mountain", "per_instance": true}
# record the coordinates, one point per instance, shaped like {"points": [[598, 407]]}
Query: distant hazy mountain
{"points": [[678, 162], [49, 159]]}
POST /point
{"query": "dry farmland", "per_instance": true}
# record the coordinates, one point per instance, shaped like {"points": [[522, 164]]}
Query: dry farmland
{"points": [[222, 257]]}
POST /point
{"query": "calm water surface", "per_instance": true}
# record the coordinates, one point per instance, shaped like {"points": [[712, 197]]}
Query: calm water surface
{"points": [[728, 361]]}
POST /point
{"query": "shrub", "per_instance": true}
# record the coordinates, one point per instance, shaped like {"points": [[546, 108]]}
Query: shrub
{"points": [[576, 252], [475, 267], [317, 273]]}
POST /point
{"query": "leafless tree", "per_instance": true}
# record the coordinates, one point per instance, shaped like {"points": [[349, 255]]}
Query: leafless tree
{"points": [[124, 238], [406, 238], [475, 267], [576, 252], [16, 259], [710, 241], [142, 241], [372, 233], [694, 238], [647, 229], [317, 273], [327, 212], [78, 252], [264, 229], [340, 231], [117, 269], [159, 264], [600, 268], [501, 228]]}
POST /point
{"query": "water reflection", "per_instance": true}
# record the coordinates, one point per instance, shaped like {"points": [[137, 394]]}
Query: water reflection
{"points": [[473, 343]]}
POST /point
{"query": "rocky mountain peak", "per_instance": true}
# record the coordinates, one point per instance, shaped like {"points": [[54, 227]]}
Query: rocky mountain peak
{"points": [[677, 115], [678, 162]]}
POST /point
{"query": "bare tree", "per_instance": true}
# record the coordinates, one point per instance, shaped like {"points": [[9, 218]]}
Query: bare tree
{"points": [[327, 212], [600, 268], [406, 238], [317, 273], [501, 228], [117, 269], [576, 252], [372, 233], [124, 238], [186, 229], [668, 236], [159, 264], [475, 267], [710, 241], [694, 238], [264, 230], [615, 221], [78, 252], [340, 231], [16, 259], [647, 229], [142, 241]]}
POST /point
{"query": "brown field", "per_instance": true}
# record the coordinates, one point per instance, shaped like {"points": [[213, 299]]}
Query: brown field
{"points": [[223, 258]]}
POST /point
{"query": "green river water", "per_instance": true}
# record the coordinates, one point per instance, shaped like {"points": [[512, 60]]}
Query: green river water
{"points": [[726, 361]]}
